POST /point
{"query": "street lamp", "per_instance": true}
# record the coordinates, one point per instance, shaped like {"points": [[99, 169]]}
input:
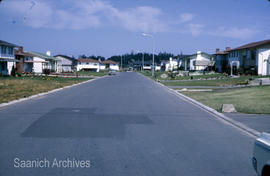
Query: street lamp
{"points": [[153, 61]]}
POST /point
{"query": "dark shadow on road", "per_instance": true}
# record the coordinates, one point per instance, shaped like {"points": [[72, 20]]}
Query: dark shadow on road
{"points": [[82, 123]]}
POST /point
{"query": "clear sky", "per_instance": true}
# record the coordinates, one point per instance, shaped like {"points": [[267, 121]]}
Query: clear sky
{"points": [[112, 27]]}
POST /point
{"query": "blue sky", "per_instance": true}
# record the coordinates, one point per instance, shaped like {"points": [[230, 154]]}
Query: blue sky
{"points": [[112, 27]]}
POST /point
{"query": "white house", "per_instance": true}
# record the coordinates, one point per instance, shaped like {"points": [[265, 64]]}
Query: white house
{"points": [[109, 64], [198, 61], [170, 65], [253, 57], [46, 61], [7, 57], [68, 64], [88, 64]]}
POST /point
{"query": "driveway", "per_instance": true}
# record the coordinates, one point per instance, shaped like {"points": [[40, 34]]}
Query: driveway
{"points": [[124, 125]]}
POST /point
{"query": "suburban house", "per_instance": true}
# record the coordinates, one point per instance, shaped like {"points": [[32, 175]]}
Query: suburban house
{"points": [[109, 64], [221, 60], [7, 57], [251, 58], [147, 65], [169, 65], [46, 62], [84, 64], [68, 64], [26, 62], [197, 62]]}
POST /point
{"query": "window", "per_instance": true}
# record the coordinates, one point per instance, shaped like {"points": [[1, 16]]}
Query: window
{"points": [[87, 63], [4, 49], [10, 50]]}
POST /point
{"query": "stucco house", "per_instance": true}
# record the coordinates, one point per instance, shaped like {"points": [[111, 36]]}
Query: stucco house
{"points": [[254, 57], [68, 64], [197, 62], [46, 62], [7, 57], [109, 64], [221, 60], [84, 64]]}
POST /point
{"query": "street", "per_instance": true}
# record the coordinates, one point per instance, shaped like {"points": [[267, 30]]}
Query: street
{"points": [[125, 125]]}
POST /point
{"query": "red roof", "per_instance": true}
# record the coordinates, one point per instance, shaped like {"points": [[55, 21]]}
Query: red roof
{"points": [[109, 62], [252, 45], [88, 60]]}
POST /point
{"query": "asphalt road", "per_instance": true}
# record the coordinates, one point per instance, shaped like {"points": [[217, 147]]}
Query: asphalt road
{"points": [[124, 125]]}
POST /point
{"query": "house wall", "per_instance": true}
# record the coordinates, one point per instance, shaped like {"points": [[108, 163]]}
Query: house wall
{"points": [[114, 67], [38, 65], [157, 68], [9, 66], [64, 65], [7, 52], [171, 65], [191, 62], [84, 65], [3, 68], [27, 67], [102, 66], [263, 61]]}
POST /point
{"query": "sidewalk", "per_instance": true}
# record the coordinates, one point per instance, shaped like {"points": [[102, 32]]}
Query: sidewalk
{"points": [[259, 122]]}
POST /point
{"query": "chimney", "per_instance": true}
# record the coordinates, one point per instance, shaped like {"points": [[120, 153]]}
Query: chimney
{"points": [[228, 48], [20, 49], [217, 50], [48, 53]]}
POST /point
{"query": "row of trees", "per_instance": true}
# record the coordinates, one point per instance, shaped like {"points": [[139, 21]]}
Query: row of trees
{"points": [[130, 58]]}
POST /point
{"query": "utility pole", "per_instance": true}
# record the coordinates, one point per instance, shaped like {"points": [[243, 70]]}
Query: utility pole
{"points": [[153, 59], [121, 63], [142, 61]]}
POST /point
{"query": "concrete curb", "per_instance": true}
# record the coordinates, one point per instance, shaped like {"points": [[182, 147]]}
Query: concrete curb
{"points": [[46, 93], [248, 130]]}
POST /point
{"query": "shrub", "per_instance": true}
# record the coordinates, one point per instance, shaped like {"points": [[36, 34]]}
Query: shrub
{"points": [[46, 71]]}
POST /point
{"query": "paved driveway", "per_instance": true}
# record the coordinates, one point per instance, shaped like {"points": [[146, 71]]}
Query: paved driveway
{"points": [[125, 125]]}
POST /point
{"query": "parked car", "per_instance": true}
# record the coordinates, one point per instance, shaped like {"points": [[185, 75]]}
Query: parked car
{"points": [[261, 155], [112, 72]]}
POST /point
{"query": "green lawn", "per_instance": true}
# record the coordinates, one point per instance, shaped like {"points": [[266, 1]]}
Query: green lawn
{"points": [[254, 100], [92, 73], [219, 82], [12, 88]]}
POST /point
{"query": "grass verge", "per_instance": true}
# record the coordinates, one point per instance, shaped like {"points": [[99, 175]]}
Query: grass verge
{"points": [[91, 73], [252, 100], [15, 88], [218, 82]]}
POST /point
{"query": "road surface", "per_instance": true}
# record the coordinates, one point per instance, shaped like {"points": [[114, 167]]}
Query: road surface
{"points": [[123, 125]]}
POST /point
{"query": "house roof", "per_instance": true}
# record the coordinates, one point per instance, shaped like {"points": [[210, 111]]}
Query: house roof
{"points": [[66, 57], [44, 56], [204, 63], [252, 45], [221, 53], [2, 42], [88, 60], [21, 53], [202, 53], [109, 62]]}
